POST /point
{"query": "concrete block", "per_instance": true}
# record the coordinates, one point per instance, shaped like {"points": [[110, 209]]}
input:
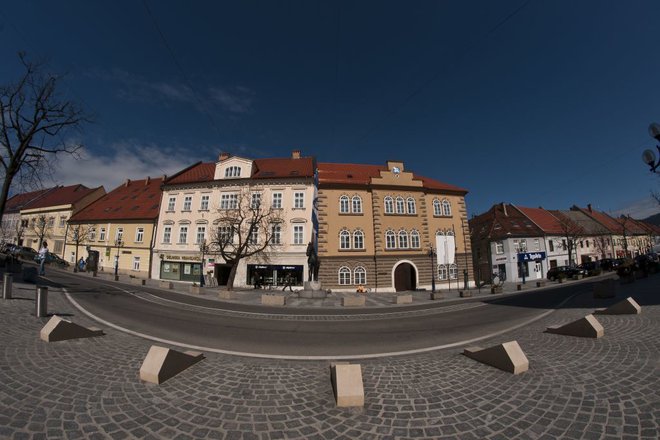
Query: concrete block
{"points": [[626, 307], [166, 285], [540, 283], [138, 281], [163, 363], [587, 327], [518, 286], [30, 274], [196, 290], [403, 299], [227, 294], [353, 301], [508, 357], [273, 300], [58, 329], [496, 289], [605, 289], [347, 385], [437, 295], [577, 277], [465, 293]]}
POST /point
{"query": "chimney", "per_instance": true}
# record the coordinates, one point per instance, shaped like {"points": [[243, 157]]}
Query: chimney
{"points": [[295, 154], [223, 156], [128, 182], [504, 209], [589, 207], [164, 177], [146, 182]]}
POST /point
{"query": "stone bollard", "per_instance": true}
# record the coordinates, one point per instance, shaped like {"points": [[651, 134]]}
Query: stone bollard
{"points": [[518, 287], [7, 285], [41, 306]]}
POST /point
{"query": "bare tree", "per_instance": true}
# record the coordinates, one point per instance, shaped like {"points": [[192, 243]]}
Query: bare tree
{"points": [[33, 119], [245, 228], [42, 227], [571, 233], [77, 234], [600, 242]]}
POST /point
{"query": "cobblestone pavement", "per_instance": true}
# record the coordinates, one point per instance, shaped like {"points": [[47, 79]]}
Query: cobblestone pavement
{"points": [[575, 388]]}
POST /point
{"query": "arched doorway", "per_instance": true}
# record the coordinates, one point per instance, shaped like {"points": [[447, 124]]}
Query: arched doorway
{"points": [[405, 277]]}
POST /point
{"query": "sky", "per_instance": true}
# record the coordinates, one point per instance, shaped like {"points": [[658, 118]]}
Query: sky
{"points": [[530, 102]]}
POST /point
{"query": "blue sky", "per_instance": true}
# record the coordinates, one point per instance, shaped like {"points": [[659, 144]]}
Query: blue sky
{"points": [[536, 103]]}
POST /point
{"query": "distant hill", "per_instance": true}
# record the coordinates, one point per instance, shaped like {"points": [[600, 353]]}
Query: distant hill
{"points": [[654, 219]]}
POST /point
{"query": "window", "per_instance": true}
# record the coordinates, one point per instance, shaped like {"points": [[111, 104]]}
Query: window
{"points": [[537, 244], [343, 205], [344, 276], [225, 235], [414, 240], [187, 203], [183, 234], [390, 240], [102, 234], [298, 234], [499, 247], [360, 275], [277, 200], [255, 203], [136, 263], [253, 238], [167, 234], [204, 206], [442, 272], [437, 211], [201, 234], [233, 172], [62, 221], [51, 222], [120, 234], [277, 235], [357, 205], [523, 245], [403, 239], [551, 245], [358, 240], [389, 205], [139, 235], [446, 208], [453, 272], [344, 239], [92, 234], [563, 244], [587, 243], [298, 200], [228, 201], [412, 209], [400, 205], [171, 203]]}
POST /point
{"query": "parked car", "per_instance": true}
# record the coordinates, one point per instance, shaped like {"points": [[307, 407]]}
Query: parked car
{"points": [[564, 272], [591, 267], [53, 259], [27, 253], [627, 267], [607, 264]]}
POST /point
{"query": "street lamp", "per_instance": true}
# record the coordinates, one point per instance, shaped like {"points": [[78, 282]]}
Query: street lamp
{"points": [[202, 249], [118, 244], [432, 255], [648, 156]]}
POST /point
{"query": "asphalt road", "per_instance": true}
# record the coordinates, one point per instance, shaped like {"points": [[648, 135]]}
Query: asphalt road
{"points": [[214, 325]]}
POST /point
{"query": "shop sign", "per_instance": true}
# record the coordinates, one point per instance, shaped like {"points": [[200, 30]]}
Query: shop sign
{"points": [[531, 256], [182, 258]]}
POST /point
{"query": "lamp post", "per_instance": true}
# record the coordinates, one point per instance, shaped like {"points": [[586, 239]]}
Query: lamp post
{"points": [[118, 244], [202, 249], [648, 156], [432, 255]]}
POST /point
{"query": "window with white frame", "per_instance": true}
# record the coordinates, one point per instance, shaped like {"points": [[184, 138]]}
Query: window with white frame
{"points": [[171, 203], [358, 240], [229, 201], [62, 221], [255, 203], [344, 239], [201, 234], [446, 208], [102, 234], [437, 210], [344, 276], [412, 208], [414, 239], [499, 247], [360, 275], [139, 235], [225, 235], [298, 200], [51, 222], [389, 205], [403, 239], [187, 203], [167, 234], [400, 205], [453, 272], [233, 172], [523, 245], [276, 238], [390, 240], [343, 205], [298, 234], [442, 272], [119, 236], [253, 238], [537, 244], [136, 263], [183, 234], [204, 205], [277, 200], [92, 234], [357, 205]]}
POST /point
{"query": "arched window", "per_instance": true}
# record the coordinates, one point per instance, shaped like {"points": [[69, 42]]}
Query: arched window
{"points": [[390, 240], [358, 240], [442, 272], [437, 211], [360, 275], [403, 239], [400, 205], [344, 239], [233, 172], [343, 205], [414, 239], [453, 272], [344, 276], [446, 208], [412, 209], [357, 205], [389, 205]]}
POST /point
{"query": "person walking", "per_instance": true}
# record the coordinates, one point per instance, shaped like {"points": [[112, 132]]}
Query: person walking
{"points": [[288, 281], [43, 254]]}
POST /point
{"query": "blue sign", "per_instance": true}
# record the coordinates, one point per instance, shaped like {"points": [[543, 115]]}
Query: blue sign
{"points": [[531, 256]]}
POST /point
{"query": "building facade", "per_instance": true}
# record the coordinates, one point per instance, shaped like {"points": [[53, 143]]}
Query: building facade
{"points": [[12, 228]]}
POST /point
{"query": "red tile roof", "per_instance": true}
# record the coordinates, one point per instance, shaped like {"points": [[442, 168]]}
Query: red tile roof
{"points": [[503, 221], [199, 172], [548, 223], [279, 168], [16, 203], [137, 200], [61, 195], [602, 218]]}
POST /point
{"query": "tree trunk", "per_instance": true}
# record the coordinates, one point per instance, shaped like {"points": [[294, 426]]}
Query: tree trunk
{"points": [[232, 275]]}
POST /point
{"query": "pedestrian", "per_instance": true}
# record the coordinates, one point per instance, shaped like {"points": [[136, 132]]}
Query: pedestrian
{"points": [[258, 281], [43, 254], [81, 264], [288, 281]]}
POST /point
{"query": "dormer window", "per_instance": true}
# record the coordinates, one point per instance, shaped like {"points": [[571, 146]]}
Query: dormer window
{"points": [[233, 172]]}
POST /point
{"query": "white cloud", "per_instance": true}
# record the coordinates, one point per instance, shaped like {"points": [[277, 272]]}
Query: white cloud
{"points": [[236, 99], [639, 209]]}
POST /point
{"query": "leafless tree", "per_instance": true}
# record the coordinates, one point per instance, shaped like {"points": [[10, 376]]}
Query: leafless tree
{"points": [[571, 233], [244, 228], [42, 227], [77, 234], [600, 242], [33, 120]]}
